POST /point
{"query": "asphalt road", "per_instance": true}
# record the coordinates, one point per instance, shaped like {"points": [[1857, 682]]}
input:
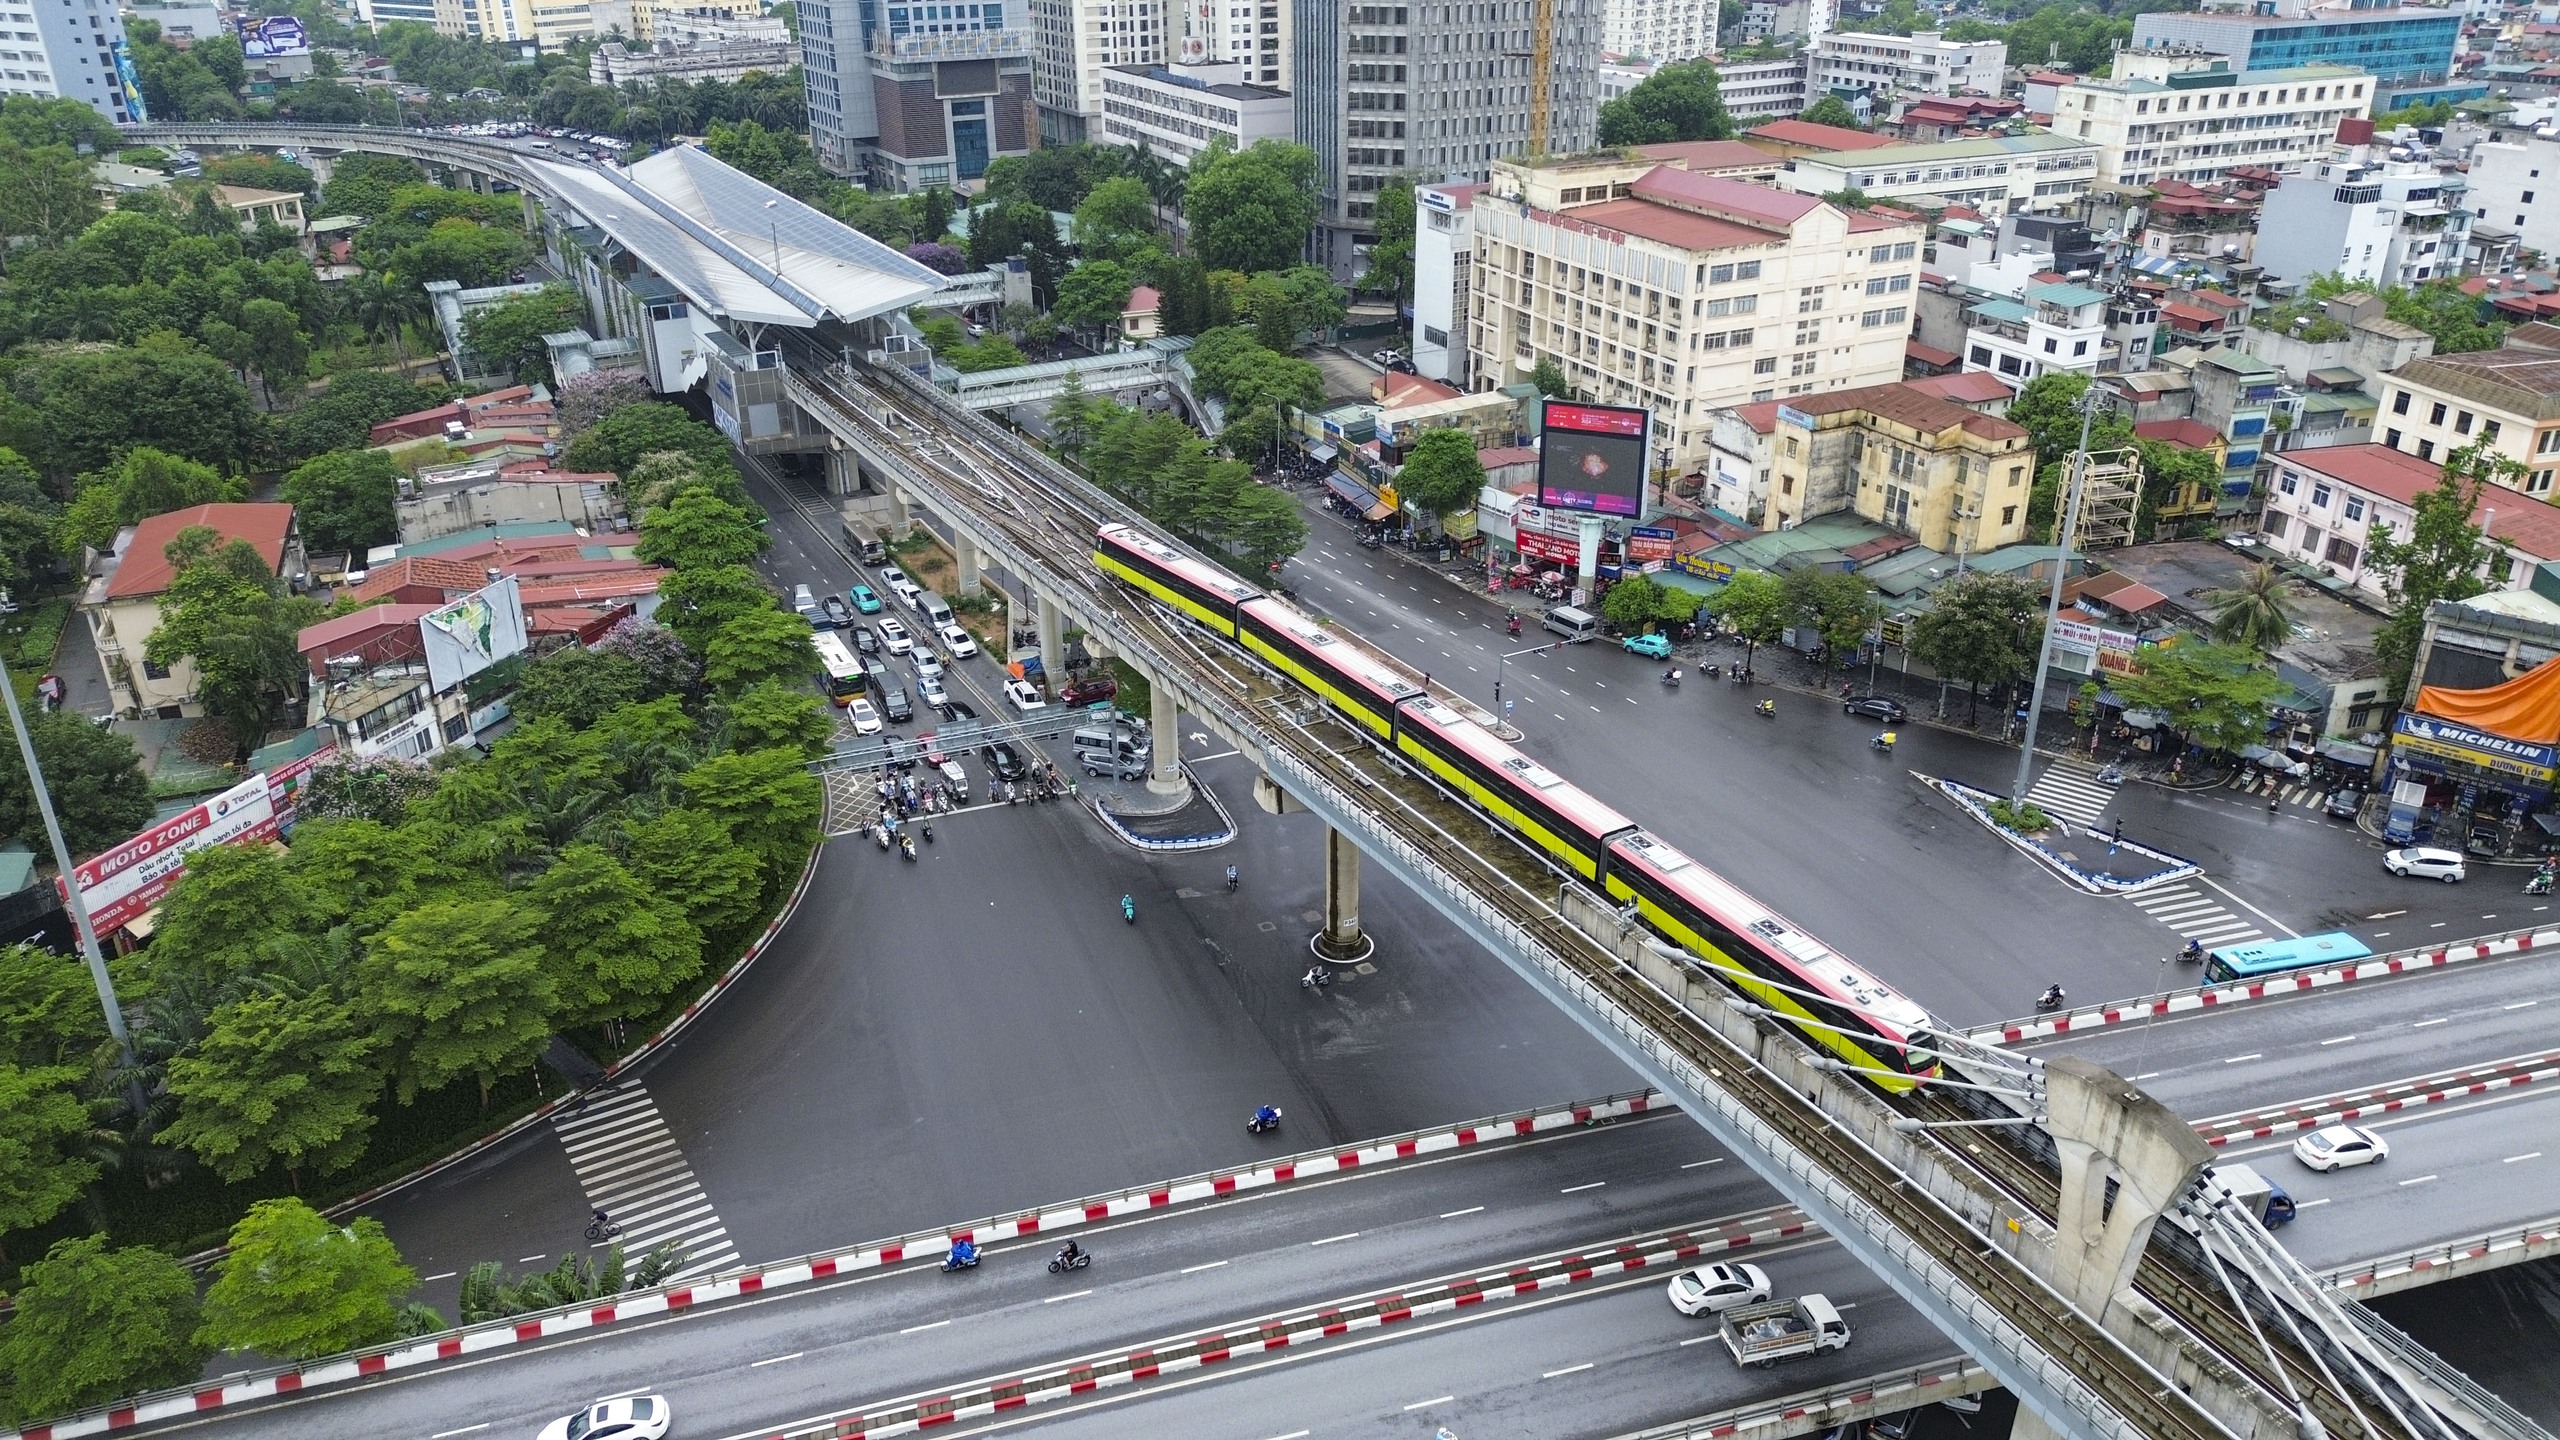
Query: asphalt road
{"points": [[752, 1367]]}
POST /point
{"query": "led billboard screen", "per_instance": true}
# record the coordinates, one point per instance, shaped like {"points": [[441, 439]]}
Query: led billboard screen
{"points": [[1594, 458]]}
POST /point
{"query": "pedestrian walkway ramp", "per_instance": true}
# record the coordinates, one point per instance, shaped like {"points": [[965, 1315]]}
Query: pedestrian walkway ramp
{"points": [[2188, 909], [2072, 791], [628, 1164]]}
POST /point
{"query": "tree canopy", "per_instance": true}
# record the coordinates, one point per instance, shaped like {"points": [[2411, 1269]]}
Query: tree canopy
{"points": [[2218, 696], [2445, 555], [1983, 630], [1251, 209], [1442, 473], [1676, 102], [95, 775]]}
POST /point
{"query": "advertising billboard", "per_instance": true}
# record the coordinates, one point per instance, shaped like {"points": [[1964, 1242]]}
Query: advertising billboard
{"points": [[473, 633], [118, 885], [1594, 458], [132, 82], [270, 37]]}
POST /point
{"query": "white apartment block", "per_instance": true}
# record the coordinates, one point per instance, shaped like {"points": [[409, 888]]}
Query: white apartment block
{"points": [[60, 51], [1662, 31], [1617, 77], [1177, 111], [1250, 34], [1444, 246], [615, 64], [2049, 329], [1073, 42], [1922, 64], [2515, 182], [1998, 175], [1683, 293], [2324, 506], [2181, 115], [2508, 398], [2389, 222], [1758, 89]]}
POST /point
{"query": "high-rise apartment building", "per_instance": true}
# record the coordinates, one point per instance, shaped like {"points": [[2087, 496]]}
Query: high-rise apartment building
{"points": [[2410, 51], [1073, 42], [1927, 63], [911, 97], [2362, 216], [1251, 33], [2183, 115], [1659, 30], [67, 52], [1437, 92]]}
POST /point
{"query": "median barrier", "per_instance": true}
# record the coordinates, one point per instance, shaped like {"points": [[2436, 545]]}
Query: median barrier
{"points": [[255, 1386], [1811, 1411], [2409, 1269]]}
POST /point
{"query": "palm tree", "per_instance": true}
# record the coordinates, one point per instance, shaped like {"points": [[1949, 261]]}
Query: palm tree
{"points": [[2253, 613], [383, 307]]}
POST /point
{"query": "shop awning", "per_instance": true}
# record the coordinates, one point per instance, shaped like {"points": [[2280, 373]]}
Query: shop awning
{"points": [[1322, 453], [2142, 719], [1379, 513], [1350, 491], [2346, 753], [2549, 822], [2525, 708]]}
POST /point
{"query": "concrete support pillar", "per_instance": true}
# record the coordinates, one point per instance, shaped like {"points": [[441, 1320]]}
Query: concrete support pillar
{"points": [[2106, 1129], [1342, 940], [1165, 732], [844, 473], [900, 522], [1052, 622], [964, 552]]}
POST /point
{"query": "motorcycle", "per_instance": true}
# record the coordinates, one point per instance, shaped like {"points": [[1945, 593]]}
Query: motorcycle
{"points": [[2052, 999], [1266, 1118], [1129, 909], [907, 847], [2193, 954], [1671, 679], [1766, 709], [2538, 885], [883, 832], [963, 1256], [1713, 672], [1514, 627], [2111, 774], [1880, 742], [1316, 978], [928, 834], [1060, 1263]]}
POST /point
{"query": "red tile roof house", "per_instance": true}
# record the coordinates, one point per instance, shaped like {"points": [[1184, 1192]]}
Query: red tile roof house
{"points": [[123, 603], [2322, 506]]}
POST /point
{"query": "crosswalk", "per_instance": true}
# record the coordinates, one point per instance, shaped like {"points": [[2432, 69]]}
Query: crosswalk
{"points": [[2072, 792], [2309, 797], [2196, 915], [628, 1164]]}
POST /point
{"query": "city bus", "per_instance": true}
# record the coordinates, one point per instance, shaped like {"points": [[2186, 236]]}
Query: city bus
{"points": [[2261, 958], [839, 673]]}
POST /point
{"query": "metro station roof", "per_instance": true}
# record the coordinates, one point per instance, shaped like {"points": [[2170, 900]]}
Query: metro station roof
{"points": [[737, 246]]}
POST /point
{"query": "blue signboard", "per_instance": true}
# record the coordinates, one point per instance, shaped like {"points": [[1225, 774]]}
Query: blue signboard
{"points": [[125, 72]]}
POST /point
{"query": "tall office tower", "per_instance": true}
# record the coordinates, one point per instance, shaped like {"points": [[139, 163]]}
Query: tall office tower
{"points": [[910, 97], [834, 79], [1435, 93], [1660, 30], [1073, 41], [69, 54], [1250, 33]]}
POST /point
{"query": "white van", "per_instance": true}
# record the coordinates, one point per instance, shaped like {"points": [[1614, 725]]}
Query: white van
{"points": [[1574, 625], [937, 611], [807, 605]]}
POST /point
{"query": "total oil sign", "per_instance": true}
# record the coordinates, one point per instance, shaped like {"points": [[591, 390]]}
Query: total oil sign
{"points": [[120, 884]]}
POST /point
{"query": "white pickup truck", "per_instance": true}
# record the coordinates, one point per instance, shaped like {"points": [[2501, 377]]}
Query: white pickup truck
{"points": [[1765, 1334]]}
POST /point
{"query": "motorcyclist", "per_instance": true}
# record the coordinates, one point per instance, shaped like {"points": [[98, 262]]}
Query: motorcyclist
{"points": [[1514, 626], [1768, 707], [2052, 997], [1266, 1115], [963, 1252], [1671, 676], [1231, 877], [1071, 1254], [1129, 907], [2193, 952], [1884, 742]]}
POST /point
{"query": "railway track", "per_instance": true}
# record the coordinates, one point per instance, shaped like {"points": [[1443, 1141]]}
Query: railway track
{"points": [[1042, 511]]}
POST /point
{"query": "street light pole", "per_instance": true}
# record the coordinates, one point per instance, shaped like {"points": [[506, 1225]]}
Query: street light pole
{"points": [[70, 879], [2090, 400], [1502, 668]]}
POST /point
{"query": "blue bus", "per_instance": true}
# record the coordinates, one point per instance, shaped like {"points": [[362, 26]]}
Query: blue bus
{"points": [[2261, 958]]}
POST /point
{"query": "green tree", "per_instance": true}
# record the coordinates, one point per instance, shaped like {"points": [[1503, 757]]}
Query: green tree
{"points": [[1676, 102], [774, 716], [1753, 604], [579, 686], [1640, 602], [768, 800], [615, 946], [346, 501], [2440, 307], [694, 603], [296, 1284], [1548, 376], [48, 1009], [1072, 414], [1093, 294], [43, 1159], [277, 1079], [2445, 556], [1442, 473], [46, 194], [253, 171], [1837, 604], [1115, 220], [756, 647], [276, 348], [2215, 695], [342, 417], [1983, 630], [1251, 209], [84, 408], [622, 439], [230, 615], [230, 900], [92, 1324], [2049, 407], [1831, 110], [461, 989], [93, 774], [29, 521], [698, 529], [1391, 255], [143, 482], [688, 854], [508, 336], [2253, 613]]}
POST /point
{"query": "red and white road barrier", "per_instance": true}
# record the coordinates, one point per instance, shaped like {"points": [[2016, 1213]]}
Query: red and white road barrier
{"points": [[881, 1255], [2392, 1272], [2100, 1017], [1257, 1337], [2405, 1095]]}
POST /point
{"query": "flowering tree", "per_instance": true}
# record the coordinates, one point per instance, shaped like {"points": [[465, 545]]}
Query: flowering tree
{"points": [[583, 400], [933, 254]]}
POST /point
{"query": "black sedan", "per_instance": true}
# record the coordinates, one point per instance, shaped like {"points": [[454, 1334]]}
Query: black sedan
{"points": [[2343, 803], [838, 613], [1003, 761], [1875, 707], [864, 640]]}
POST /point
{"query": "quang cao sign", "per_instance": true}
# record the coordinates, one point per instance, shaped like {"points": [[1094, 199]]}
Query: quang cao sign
{"points": [[1649, 543], [2444, 739], [119, 885]]}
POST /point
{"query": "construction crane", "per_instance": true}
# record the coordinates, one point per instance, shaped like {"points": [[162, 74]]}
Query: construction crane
{"points": [[1541, 52]]}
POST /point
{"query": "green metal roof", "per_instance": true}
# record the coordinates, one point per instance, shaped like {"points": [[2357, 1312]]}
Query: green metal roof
{"points": [[1997, 309], [2069, 297]]}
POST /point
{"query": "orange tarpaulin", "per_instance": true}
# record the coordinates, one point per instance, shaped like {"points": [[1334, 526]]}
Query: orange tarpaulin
{"points": [[2525, 708]]}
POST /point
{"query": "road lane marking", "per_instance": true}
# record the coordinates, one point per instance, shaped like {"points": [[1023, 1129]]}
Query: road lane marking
{"points": [[2290, 932], [2439, 1020], [2421, 1180], [447, 1275], [1454, 1214], [2147, 1075], [465, 1430], [620, 1395], [2521, 1005], [1294, 1435], [776, 1360], [2338, 1040], [1570, 1189], [2528, 1155], [1568, 1370], [2253, 1055], [1196, 1269], [1427, 1404], [1700, 1340], [529, 1259], [1329, 1239], [1071, 1295], [1694, 1164], [2307, 1204], [920, 1329]]}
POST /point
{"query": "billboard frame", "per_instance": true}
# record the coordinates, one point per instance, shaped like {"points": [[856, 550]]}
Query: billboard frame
{"points": [[1582, 443]]}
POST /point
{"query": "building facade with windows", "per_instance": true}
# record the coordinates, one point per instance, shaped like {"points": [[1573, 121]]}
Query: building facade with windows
{"points": [[1923, 64], [2390, 222], [2508, 398], [66, 52], [1389, 91], [1756, 88], [906, 97], [1663, 31], [1444, 244], [2050, 329], [2324, 507], [1998, 175], [1252, 35], [2408, 50], [1953, 478], [1073, 43], [1177, 111], [2515, 182], [2183, 115], [1684, 293]]}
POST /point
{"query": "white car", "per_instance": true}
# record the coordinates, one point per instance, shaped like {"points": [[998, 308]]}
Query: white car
{"points": [[958, 641], [895, 636], [928, 664], [633, 1417], [866, 721], [2427, 862], [1713, 1288], [930, 691], [2335, 1147], [1024, 698]]}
